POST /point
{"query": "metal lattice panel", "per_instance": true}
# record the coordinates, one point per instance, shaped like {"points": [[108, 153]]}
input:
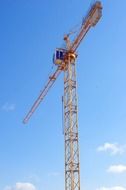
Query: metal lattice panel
{"points": [[72, 170]]}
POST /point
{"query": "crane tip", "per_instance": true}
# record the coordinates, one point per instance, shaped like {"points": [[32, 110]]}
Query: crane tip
{"points": [[24, 121]]}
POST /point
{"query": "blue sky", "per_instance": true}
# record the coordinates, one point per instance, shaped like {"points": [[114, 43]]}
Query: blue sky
{"points": [[32, 156]]}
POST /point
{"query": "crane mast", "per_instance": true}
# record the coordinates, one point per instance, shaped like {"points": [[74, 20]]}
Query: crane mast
{"points": [[72, 168], [66, 62]]}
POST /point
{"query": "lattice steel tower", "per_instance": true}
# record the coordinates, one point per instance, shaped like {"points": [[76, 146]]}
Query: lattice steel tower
{"points": [[72, 169], [64, 60]]}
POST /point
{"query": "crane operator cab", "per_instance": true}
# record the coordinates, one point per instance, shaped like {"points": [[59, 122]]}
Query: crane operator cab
{"points": [[58, 56]]}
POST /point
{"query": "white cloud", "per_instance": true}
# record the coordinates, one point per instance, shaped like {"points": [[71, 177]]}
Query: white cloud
{"points": [[25, 186], [113, 148], [8, 107], [117, 169], [21, 186], [112, 188]]}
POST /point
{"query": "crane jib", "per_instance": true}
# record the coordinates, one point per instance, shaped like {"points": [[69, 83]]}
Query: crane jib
{"points": [[90, 20], [43, 93]]}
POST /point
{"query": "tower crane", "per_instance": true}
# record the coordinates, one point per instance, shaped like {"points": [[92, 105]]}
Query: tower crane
{"points": [[64, 59]]}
